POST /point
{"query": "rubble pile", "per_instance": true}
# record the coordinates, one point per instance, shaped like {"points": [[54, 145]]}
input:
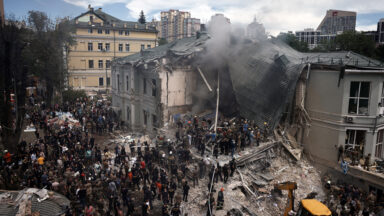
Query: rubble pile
{"points": [[250, 190]]}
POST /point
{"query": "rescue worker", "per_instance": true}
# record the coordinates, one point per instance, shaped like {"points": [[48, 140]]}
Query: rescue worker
{"points": [[220, 199]]}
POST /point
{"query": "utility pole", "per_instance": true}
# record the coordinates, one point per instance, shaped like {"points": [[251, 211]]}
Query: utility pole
{"points": [[217, 101]]}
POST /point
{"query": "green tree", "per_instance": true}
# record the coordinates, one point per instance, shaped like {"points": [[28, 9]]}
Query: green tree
{"points": [[49, 44], [356, 42], [293, 42], [379, 53], [162, 41], [13, 73], [142, 18]]}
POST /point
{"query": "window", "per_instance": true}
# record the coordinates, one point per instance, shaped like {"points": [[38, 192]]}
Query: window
{"points": [[90, 63], [149, 46], [154, 120], [118, 82], [128, 113], [90, 46], [100, 63], [144, 86], [101, 81], [106, 31], [126, 33], [382, 95], [108, 81], [120, 32], [379, 144], [107, 47], [355, 139], [154, 87], [90, 31], [120, 47], [145, 115], [108, 63], [142, 46], [126, 47], [91, 19], [100, 46], [99, 31], [127, 82], [359, 98]]}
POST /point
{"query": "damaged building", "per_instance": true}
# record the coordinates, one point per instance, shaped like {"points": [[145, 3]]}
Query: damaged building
{"points": [[323, 100]]}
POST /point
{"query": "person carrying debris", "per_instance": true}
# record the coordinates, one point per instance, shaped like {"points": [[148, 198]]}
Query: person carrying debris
{"points": [[220, 199]]}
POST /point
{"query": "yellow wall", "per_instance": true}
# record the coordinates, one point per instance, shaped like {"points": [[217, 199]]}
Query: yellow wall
{"points": [[80, 75]]}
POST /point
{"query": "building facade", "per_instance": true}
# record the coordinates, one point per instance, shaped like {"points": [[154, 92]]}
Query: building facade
{"points": [[380, 31], [336, 21], [154, 87], [309, 36], [177, 24], [100, 38], [2, 15], [343, 105], [256, 31]]}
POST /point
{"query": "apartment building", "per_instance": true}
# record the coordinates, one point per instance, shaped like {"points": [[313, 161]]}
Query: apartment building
{"points": [[336, 21], [177, 24], [100, 38]]}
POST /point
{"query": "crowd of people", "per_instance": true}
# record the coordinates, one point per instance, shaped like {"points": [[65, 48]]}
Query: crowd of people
{"points": [[133, 178], [346, 199], [114, 180]]}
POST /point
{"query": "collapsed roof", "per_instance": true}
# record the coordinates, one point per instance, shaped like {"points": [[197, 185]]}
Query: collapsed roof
{"points": [[30, 200], [258, 78]]}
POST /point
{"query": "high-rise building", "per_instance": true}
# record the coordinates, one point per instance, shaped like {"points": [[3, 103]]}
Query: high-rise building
{"points": [[336, 21], [380, 31], [2, 17], [177, 24], [220, 16], [100, 38], [256, 31]]}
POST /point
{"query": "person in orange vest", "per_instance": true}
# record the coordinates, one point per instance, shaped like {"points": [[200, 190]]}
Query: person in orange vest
{"points": [[40, 160], [7, 157]]}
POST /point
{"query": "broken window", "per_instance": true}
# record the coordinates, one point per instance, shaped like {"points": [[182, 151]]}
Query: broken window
{"points": [[379, 144], [359, 98], [153, 87], [144, 86], [355, 140], [145, 117]]}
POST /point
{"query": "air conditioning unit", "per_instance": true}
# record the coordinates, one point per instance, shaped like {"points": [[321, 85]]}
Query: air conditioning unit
{"points": [[349, 119]]}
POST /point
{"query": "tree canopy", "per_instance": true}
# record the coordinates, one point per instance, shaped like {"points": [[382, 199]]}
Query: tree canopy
{"points": [[142, 18]]}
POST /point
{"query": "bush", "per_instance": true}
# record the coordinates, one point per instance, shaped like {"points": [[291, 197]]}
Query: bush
{"points": [[71, 95]]}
